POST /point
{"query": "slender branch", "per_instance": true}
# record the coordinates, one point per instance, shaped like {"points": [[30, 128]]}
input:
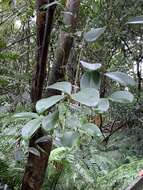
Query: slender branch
{"points": [[15, 42]]}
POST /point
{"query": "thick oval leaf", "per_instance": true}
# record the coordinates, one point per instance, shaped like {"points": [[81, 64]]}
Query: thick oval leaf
{"points": [[93, 34], [90, 80], [122, 97], [49, 121], [69, 139], [136, 20], [122, 78], [87, 96], [26, 115], [90, 66], [34, 151], [62, 86], [29, 129], [91, 129], [46, 103], [103, 104]]}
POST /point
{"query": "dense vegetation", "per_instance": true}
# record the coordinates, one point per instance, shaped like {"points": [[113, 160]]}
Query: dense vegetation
{"points": [[71, 108]]}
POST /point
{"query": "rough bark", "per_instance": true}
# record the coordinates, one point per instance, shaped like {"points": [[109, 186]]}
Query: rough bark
{"points": [[44, 27], [65, 43], [36, 166]]}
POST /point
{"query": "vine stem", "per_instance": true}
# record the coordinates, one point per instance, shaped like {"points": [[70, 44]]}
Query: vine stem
{"points": [[80, 54]]}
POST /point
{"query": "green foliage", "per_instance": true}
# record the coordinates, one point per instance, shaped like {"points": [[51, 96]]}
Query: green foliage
{"points": [[103, 105], [89, 66], [121, 177], [44, 104], [136, 20], [93, 34], [87, 96], [122, 78], [49, 121], [90, 80], [91, 129], [122, 97], [25, 115], [65, 87], [29, 129], [78, 160]]}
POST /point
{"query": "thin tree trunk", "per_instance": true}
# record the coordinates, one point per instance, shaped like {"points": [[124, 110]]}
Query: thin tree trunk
{"points": [[65, 43], [36, 166], [44, 27]]}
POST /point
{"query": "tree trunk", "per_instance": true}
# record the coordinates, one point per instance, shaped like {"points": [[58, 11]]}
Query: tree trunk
{"points": [[36, 166], [44, 27], [65, 43]]}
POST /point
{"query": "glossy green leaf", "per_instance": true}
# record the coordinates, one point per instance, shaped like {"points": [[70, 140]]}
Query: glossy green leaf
{"points": [[122, 78], [90, 80], [91, 66], [29, 115], [69, 139], [49, 121], [65, 87], [87, 96], [103, 104], [122, 97], [136, 20], [46, 103], [29, 129], [93, 34], [91, 129]]}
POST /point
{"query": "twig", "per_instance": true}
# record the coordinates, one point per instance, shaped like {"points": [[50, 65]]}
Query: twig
{"points": [[13, 43]]}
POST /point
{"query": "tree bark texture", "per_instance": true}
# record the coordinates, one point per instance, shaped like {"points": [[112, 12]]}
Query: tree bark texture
{"points": [[44, 26], [36, 166], [65, 43]]}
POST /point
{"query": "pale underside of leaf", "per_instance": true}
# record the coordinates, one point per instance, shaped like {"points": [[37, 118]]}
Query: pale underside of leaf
{"points": [[87, 96], [92, 129], [25, 115], [69, 139], [93, 34], [103, 104], [122, 78], [136, 20], [90, 80], [46, 6], [91, 66], [29, 129], [49, 121], [122, 97], [43, 104], [64, 86]]}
